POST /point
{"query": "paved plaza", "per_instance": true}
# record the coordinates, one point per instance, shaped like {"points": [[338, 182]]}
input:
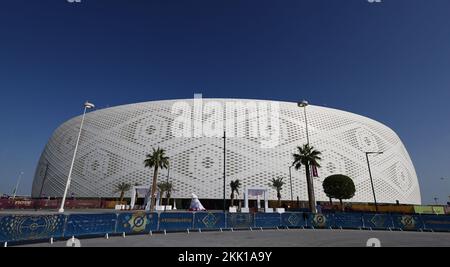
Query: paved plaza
{"points": [[269, 238]]}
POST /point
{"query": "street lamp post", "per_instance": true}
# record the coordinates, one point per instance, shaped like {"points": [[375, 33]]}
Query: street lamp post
{"points": [[87, 106], [303, 104], [167, 184], [371, 179], [17, 185], [224, 169], [290, 179]]}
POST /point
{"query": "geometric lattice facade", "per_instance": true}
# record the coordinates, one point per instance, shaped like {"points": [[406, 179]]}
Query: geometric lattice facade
{"points": [[115, 141]]}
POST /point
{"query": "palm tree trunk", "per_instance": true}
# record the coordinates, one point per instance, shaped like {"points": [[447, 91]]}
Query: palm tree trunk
{"points": [[232, 198], [312, 199], [153, 191], [122, 194], [279, 199], [161, 197], [342, 205]]}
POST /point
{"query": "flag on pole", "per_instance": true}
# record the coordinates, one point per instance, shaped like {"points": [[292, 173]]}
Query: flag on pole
{"points": [[315, 172]]}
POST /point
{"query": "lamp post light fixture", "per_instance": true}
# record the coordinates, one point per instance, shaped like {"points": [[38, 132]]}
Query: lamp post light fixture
{"points": [[17, 185], [303, 104], [87, 106], [371, 178]]}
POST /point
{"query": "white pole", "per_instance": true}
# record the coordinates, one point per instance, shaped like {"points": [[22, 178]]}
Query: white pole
{"points": [[61, 209], [17, 185]]}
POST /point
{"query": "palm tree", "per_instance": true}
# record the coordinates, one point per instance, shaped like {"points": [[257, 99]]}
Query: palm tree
{"points": [[277, 184], [156, 160], [169, 189], [165, 187], [122, 188], [308, 157], [235, 185]]}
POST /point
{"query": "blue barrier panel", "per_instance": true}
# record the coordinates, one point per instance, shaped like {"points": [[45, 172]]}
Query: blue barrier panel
{"points": [[267, 220], [25, 227], [378, 221], [90, 224], [209, 220], [320, 220], [294, 219], [348, 220], [137, 222], [436, 222], [407, 222], [176, 221], [240, 220]]}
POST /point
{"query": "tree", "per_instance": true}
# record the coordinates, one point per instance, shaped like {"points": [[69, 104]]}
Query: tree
{"points": [[277, 184], [162, 189], [122, 188], [308, 157], [235, 186], [169, 190], [165, 187], [156, 160], [340, 187]]}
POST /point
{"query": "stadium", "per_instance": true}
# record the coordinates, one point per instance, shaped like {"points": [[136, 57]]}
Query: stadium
{"points": [[261, 137]]}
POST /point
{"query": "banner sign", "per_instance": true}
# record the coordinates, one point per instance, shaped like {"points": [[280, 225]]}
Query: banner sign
{"points": [[137, 222], [429, 210], [24, 227], [408, 222], [176, 221], [294, 219], [90, 224], [209, 220], [267, 220], [436, 223], [240, 220], [378, 221], [348, 220]]}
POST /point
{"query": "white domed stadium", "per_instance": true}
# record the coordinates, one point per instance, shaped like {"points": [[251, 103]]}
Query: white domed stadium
{"points": [[261, 138]]}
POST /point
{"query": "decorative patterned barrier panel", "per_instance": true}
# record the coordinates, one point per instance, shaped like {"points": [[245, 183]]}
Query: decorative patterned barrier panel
{"points": [[176, 221], [437, 223], [378, 221], [267, 220], [320, 220], [294, 220], [209, 220], [348, 220], [137, 222], [24, 227], [90, 224], [408, 222], [40, 227], [240, 220]]}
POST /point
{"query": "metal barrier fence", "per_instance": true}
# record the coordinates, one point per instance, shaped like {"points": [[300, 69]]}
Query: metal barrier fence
{"points": [[23, 228]]}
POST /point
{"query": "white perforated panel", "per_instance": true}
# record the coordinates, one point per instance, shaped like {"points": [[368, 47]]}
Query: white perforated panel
{"points": [[115, 141]]}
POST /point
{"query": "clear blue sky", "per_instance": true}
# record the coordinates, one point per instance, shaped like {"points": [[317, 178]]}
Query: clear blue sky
{"points": [[388, 61]]}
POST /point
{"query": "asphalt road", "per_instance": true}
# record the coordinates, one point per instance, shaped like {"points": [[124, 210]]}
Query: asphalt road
{"points": [[269, 238]]}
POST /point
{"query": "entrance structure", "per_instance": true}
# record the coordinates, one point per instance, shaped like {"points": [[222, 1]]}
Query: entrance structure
{"points": [[256, 191]]}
